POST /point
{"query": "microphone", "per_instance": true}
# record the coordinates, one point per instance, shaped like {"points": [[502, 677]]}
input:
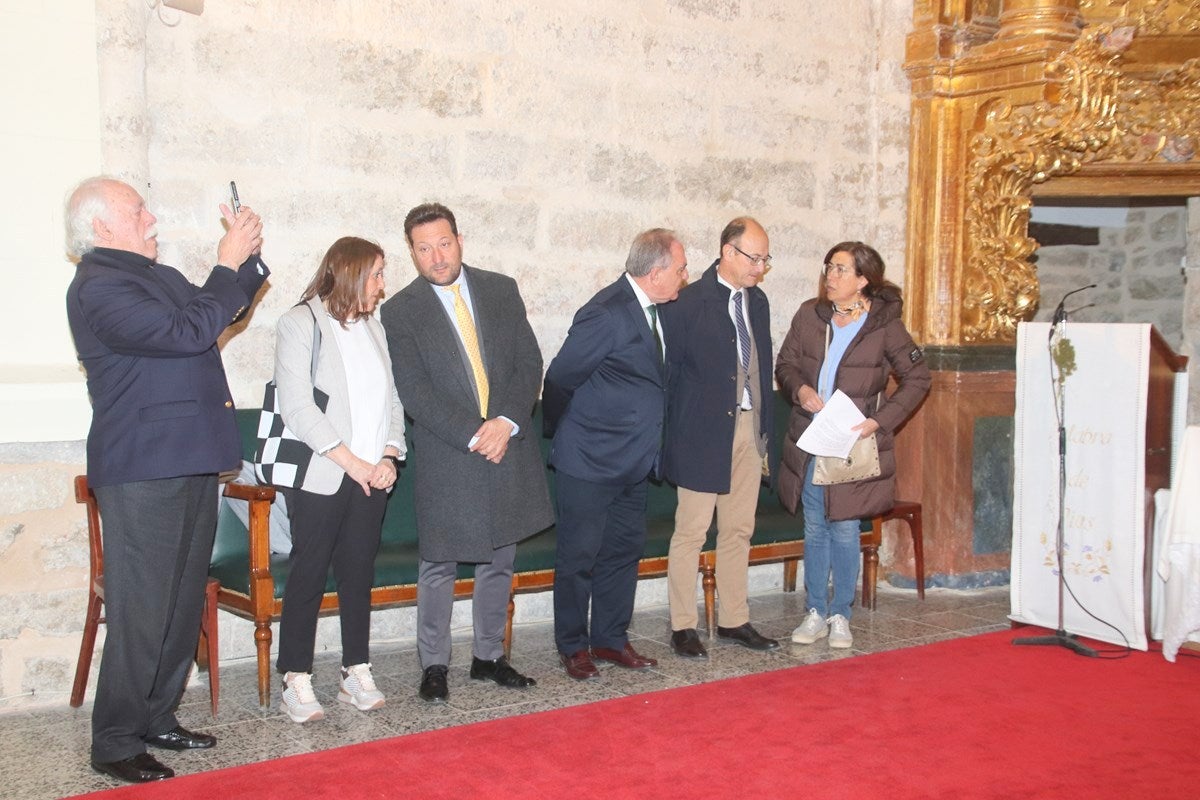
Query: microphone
{"points": [[1060, 312]]}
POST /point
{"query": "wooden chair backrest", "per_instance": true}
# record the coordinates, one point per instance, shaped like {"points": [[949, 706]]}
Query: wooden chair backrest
{"points": [[85, 495]]}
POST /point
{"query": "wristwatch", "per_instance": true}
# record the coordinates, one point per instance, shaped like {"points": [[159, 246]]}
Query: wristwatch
{"points": [[395, 461]]}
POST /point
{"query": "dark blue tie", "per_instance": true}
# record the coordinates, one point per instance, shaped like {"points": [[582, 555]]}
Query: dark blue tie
{"points": [[743, 333], [743, 342]]}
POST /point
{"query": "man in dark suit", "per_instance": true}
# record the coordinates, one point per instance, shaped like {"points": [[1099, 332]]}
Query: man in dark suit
{"points": [[467, 369], [719, 430], [603, 403], [162, 428]]}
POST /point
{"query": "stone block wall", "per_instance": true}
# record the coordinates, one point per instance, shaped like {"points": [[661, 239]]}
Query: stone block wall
{"points": [[1146, 271], [555, 130], [43, 572], [1139, 271]]}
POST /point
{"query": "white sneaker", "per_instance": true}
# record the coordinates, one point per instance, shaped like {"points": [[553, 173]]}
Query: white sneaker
{"points": [[839, 632], [358, 688], [299, 702], [814, 627]]}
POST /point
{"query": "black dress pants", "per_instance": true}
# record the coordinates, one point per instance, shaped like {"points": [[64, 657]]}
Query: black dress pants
{"points": [[158, 538], [340, 530]]}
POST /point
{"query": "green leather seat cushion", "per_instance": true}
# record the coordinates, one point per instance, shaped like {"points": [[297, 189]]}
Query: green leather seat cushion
{"points": [[397, 562]]}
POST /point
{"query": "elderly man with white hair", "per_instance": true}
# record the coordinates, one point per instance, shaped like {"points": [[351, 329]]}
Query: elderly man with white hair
{"points": [[162, 429]]}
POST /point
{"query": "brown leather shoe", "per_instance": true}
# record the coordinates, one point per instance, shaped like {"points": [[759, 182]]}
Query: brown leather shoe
{"points": [[579, 666], [686, 643], [626, 657]]}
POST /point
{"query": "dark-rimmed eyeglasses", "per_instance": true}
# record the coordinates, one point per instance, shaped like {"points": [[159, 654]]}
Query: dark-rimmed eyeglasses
{"points": [[758, 261]]}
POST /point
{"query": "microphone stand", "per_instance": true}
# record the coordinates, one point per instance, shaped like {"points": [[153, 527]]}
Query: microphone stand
{"points": [[1062, 355]]}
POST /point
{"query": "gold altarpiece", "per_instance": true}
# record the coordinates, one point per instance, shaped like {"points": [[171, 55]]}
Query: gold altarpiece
{"points": [[1012, 100]]}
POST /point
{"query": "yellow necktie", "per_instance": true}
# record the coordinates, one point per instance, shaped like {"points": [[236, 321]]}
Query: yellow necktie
{"points": [[466, 326]]}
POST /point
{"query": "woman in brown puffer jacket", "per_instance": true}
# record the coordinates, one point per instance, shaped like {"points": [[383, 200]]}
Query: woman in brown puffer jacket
{"points": [[849, 337]]}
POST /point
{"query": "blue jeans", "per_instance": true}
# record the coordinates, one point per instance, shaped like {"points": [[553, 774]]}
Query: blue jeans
{"points": [[828, 546]]}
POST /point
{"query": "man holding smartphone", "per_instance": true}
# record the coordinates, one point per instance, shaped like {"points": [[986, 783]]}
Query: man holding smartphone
{"points": [[162, 428]]}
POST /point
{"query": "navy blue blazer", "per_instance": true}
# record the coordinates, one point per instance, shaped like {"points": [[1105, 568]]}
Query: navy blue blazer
{"points": [[604, 395], [161, 406], [703, 363]]}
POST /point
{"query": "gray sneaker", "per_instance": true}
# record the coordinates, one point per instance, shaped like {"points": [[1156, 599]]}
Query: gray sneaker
{"points": [[358, 688], [839, 632], [299, 701], [814, 627]]}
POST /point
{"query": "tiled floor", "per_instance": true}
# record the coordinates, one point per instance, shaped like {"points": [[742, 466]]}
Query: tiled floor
{"points": [[45, 754]]}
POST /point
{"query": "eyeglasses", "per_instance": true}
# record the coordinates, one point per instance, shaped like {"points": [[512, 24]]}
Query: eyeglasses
{"points": [[758, 261], [838, 269]]}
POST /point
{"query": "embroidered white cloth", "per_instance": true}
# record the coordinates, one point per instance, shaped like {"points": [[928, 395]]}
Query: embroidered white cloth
{"points": [[1104, 524]]}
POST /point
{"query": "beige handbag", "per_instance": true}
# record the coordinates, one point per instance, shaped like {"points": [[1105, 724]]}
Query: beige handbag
{"points": [[862, 463]]}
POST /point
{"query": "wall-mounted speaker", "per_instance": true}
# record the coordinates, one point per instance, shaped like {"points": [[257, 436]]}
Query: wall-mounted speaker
{"points": [[190, 6]]}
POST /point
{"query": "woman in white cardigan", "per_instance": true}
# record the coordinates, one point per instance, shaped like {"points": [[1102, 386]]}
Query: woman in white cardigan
{"points": [[359, 440]]}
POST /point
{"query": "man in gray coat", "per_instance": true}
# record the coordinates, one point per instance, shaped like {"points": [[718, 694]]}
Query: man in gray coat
{"points": [[468, 370]]}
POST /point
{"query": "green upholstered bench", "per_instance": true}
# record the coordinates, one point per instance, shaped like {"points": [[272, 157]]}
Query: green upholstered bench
{"points": [[252, 579]]}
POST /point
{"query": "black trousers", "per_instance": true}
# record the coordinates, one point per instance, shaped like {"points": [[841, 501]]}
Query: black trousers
{"points": [[339, 530], [158, 538]]}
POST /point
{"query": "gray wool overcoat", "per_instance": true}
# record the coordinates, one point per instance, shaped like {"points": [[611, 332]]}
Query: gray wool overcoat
{"points": [[466, 506]]}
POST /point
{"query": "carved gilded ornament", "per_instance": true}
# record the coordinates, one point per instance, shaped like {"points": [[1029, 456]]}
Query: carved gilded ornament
{"points": [[1157, 17], [1091, 112]]}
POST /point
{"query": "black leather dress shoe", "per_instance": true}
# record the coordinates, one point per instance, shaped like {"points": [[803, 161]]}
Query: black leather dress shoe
{"points": [[141, 768], [626, 657], [433, 684], [501, 672], [746, 636], [180, 738], [686, 643]]}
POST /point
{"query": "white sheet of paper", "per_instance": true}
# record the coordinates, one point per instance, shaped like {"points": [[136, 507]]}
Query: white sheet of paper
{"points": [[830, 434]]}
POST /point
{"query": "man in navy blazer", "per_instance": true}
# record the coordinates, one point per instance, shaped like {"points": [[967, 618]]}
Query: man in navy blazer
{"points": [[603, 402], [163, 427], [719, 428]]}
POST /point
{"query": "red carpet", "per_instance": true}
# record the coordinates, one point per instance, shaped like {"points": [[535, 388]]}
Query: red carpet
{"points": [[973, 717]]}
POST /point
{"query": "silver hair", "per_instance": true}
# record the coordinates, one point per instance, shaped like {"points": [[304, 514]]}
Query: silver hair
{"points": [[650, 249], [86, 202]]}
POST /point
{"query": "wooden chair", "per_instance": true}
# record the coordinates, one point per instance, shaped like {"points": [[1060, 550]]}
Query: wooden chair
{"points": [[911, 513], [206, 652]]}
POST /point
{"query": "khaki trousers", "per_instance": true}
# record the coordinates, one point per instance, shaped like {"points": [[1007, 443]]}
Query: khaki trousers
{"points": [[735, 525]]}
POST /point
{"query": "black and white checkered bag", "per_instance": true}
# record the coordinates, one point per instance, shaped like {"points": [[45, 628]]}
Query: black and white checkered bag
{"points": [[280, 458]]}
